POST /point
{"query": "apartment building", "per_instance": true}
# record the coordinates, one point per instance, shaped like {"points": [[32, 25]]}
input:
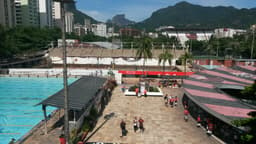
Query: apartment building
{"points": [[69, 21], [7, 17], [27, 12], [45, 13]]}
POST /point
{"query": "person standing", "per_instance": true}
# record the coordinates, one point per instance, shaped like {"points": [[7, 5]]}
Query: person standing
{"points": [[123, 88], [175, 100], [209, 128], [198, 121], [123, 128], [141, 124], [137, 91], [186, 112], [62, 139], [166, 99], [171, 101], [135, 124], [145, 93]]}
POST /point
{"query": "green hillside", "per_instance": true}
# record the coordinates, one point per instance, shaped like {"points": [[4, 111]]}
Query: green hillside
{"points": [[188, 15]]}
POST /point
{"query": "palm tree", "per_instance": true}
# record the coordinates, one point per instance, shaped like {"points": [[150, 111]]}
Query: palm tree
{"points": [[144, 50], [164, 57], [185, 58]]}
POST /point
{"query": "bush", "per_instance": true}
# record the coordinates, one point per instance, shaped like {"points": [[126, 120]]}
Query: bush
{"points": [[132, 88], [153, 89]]}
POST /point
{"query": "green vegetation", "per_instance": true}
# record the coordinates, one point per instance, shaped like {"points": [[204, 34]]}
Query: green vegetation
{"points": [[144, 50], [185, 58], [25, 40], [153, 89], [249, 137], [249, 123], [90, 37], [78, 15], [150, 89], [165, 57], [186, 15], [250, 92], [132, 88], [237, 47]]}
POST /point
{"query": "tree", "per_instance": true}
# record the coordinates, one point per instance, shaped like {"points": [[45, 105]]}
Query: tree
{"points": [[165, 57], [185, 58], [250, 92], [249, 137], [144, 50]]}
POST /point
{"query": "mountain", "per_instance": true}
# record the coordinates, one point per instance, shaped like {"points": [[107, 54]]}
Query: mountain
{"points": [[186, 15], [78, 15], [120, 20]]}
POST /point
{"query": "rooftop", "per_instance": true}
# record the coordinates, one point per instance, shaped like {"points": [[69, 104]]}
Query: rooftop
{"points": [[204, 88]]}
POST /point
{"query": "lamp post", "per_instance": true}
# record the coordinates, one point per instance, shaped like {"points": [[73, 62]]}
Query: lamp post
{"points": [[65, 81]]}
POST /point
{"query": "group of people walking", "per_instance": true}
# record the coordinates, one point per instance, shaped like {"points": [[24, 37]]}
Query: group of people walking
{"points": [[138, 124], [171, 100]]}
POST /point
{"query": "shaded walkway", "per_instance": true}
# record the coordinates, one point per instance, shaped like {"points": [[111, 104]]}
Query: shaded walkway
{"points": [[163, 125]]}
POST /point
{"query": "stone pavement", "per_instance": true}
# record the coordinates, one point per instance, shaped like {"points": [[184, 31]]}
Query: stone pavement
{"points": [[38, 136], [163, 125]]}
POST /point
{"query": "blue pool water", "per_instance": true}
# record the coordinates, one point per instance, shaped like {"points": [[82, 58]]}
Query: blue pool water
{"points": [[18, 97], [210, 66]]}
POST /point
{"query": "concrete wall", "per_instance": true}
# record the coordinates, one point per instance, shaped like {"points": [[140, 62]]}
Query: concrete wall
{"points": [[108, 61], [59, 72]]}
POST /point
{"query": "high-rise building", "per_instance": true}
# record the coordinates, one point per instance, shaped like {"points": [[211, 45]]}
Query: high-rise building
{"points": [[45, 13], [100, 29], [27, 12], [7, 17], [69, 21], [56, 14]]}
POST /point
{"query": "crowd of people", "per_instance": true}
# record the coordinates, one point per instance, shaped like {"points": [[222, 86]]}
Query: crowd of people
{"points": [[206, 123], [171, 100], [138, 125]]}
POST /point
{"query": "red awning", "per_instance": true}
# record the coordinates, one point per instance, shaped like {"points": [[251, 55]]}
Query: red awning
{"points": [[155, 73]]}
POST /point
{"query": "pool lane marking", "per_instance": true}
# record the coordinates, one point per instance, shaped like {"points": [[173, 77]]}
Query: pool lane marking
{"points": [[10, 133], [13, 125], [22, 116]]}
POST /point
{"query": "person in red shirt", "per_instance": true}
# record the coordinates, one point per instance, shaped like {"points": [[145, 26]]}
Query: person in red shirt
{"points": [[198, 121], [137, 91], [62, 139], [141, 126], [145, 92], [186, 112], [209, 128]]}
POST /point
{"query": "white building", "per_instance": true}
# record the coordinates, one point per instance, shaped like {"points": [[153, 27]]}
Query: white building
{"points": [[69, 21], [79, 30], [7, 9], [186, 34], [27, 12], [45, 13], [87, 24], [227, 32], [56, 14], [100, 29]]}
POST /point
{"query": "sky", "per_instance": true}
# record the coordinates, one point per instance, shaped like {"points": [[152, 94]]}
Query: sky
{"points": [[139, 10]]}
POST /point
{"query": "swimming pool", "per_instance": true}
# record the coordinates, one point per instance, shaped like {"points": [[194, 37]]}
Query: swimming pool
{"points": [[18, 97], [210, 66]]}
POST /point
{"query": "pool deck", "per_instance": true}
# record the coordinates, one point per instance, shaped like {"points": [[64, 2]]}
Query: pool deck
{"points": [[163, 125], [38, 136]]}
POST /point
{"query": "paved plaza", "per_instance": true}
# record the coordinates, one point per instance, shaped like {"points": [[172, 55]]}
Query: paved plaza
{"points": [[163, 125]]}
